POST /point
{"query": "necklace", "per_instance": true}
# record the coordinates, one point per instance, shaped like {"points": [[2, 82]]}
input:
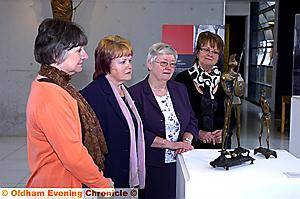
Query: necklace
{"points": [[158, 89]]}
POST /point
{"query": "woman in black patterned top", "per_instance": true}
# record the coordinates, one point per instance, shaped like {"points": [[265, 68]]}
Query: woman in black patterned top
{"points": [[205, 91]]}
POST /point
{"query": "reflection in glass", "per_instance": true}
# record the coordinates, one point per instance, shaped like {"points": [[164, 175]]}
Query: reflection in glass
{"points": [[264, 56]]}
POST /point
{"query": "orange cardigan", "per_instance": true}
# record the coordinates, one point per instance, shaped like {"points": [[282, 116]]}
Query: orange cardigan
{"points": [[56, 156]]}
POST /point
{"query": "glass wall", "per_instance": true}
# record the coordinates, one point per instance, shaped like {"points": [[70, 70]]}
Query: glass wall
{"points": [[261, 49]]}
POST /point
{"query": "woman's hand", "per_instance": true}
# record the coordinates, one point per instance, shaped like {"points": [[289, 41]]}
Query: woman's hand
{"points": [[217, 136], [205, 136], [183, 150], [180, 147]]}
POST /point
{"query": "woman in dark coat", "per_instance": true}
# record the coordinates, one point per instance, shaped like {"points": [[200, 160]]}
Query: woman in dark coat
{"points": [[202, 81], [118, 116], [168, 118]]}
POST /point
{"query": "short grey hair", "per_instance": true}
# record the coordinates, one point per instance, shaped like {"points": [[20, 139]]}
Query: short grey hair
{"points": [[160, 49]]}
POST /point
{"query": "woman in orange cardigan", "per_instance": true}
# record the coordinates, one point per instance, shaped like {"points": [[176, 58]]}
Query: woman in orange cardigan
{"points": [[58, 117]]}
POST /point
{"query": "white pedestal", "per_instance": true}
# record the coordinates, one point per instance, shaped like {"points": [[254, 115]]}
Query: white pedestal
{"points": [[294, 146], [267, 178]]}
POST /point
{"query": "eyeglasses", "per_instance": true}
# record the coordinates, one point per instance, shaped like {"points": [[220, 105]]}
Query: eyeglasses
{"points": [[165, 64], [207, 51]]}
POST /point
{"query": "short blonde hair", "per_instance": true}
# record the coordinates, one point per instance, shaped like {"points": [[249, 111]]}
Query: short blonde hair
{"points": [[109, 48]]}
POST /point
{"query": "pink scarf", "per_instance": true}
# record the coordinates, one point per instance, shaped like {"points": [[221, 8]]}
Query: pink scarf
{"points": [[137, 150]]}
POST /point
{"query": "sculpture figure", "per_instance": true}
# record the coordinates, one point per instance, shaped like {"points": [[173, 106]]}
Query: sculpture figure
{"points": [[234, 86], [265, 118], [265, 121], [63, 9]]}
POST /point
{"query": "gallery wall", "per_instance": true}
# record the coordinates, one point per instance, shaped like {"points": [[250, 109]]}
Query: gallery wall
{"points": [[138, 20]]}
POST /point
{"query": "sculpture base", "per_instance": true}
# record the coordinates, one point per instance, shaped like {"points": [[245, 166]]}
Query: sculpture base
{"points": [[236, 157], [266, 152]]}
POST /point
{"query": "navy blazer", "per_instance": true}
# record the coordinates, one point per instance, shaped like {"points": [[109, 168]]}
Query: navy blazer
{"points": [[101, 98], [153, 119]]}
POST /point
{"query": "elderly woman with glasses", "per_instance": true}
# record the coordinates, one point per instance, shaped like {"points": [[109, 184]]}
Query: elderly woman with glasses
{"points": [[205, 91], [168, 118]]}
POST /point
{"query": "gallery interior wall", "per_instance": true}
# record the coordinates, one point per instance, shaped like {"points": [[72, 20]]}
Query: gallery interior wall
{"points": [[241, 9], [138, 20]]}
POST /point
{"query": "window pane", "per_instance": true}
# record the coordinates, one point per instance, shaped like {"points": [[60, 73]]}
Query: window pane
{"points": [[262, 19], [264, 25], [265, 56], [261, 39], [270, 15], [255, 90], [261, 75], [270, 3], [263, 5]]}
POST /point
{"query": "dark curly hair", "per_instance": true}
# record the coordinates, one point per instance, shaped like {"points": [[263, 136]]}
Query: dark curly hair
{"points": [[55, 37], [208, 37]]}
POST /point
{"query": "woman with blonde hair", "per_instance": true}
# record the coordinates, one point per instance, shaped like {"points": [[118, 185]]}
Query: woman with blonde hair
{"points": [[116, 111]]}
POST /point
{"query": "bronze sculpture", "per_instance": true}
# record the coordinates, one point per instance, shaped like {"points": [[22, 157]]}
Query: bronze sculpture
{"points": [[265, 121], [233, 85], [63, 9]]}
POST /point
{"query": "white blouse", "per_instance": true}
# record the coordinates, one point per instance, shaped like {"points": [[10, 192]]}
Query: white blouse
{"points": [[172, 125]]}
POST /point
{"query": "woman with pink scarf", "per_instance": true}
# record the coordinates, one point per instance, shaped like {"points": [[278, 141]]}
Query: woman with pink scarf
{"points": [[118, 116]]}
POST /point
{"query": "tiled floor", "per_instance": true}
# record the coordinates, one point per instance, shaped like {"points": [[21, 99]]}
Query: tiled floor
{"points": [[13, 162], [13, 157]]}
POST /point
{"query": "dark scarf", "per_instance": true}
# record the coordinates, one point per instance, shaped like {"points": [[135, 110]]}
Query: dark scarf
{"points": [[93, 135]]}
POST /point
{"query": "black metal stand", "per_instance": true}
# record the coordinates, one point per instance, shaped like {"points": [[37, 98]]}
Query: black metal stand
{"points": [[236, 157], [266, 152]]}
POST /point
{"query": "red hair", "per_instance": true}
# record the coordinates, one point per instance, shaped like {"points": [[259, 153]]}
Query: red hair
{"points": [[109, 48]]}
